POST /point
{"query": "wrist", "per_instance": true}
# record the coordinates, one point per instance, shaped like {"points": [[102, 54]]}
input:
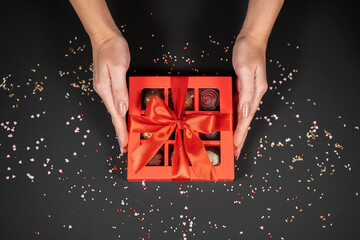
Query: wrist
{"points": [[99, 37], [259, 38]]}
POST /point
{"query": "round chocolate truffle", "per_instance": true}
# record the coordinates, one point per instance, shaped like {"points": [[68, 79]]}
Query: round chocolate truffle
{"points": [[148, 93], [209, 99], [157, 160], [146, 135], [189, 101], [214, 156], [210, 136]]}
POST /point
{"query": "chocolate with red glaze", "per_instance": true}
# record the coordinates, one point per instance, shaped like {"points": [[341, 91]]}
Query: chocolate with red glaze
{"points": [[157, 160], [209, 99]]}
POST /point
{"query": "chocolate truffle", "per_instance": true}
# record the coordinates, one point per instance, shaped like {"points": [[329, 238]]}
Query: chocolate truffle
{"points": [[209, 99], [148, 93], [157, 160], [189, 102], [214, 155], [210, 136], [146, 135]]}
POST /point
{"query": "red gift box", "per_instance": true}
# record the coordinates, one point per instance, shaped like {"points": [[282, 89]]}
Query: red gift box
{"points": [[185, 157]]}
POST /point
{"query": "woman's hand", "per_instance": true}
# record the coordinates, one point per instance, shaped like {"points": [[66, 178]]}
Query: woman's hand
{"points": [[251, 84], [111, 57]]}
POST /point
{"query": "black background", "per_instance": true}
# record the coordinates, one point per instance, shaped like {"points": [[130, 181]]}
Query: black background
{"points": [[88, 197]]}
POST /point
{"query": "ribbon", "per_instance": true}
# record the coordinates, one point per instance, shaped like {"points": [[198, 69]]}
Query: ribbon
{"points": [[159, 118]]}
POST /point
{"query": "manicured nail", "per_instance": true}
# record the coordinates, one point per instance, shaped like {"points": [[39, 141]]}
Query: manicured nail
{"points": [[238, 156], [121, 151], [245, 110], [121, 108]]}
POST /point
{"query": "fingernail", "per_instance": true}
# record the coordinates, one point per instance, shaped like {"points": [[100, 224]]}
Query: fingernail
{"points": [[245, 110], [121, 151], [121, 108], [236, 155]]}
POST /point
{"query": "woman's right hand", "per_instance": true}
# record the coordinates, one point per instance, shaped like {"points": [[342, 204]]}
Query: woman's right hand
{"points": [[111, 60]]}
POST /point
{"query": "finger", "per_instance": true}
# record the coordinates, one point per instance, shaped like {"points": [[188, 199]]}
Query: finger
{"points": [[260, 89], [102, 86], [121, 102], [245, 84], [240, 133], [237, 150]]}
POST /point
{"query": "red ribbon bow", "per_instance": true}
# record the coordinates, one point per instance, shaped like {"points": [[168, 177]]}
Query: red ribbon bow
{"points": [[159, 118]]}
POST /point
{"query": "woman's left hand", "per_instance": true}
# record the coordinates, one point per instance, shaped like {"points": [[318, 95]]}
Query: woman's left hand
{"points": [[250, 67]]}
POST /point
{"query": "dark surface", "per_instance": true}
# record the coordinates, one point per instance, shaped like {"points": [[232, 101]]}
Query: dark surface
{"points": [[87, 196]]}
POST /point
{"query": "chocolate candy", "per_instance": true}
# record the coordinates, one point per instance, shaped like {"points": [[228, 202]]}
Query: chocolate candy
{"points": [[210, 136], [157, 160], [214, 155], [189, 102], [148, 93], [209, 99], [146, 135]]}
